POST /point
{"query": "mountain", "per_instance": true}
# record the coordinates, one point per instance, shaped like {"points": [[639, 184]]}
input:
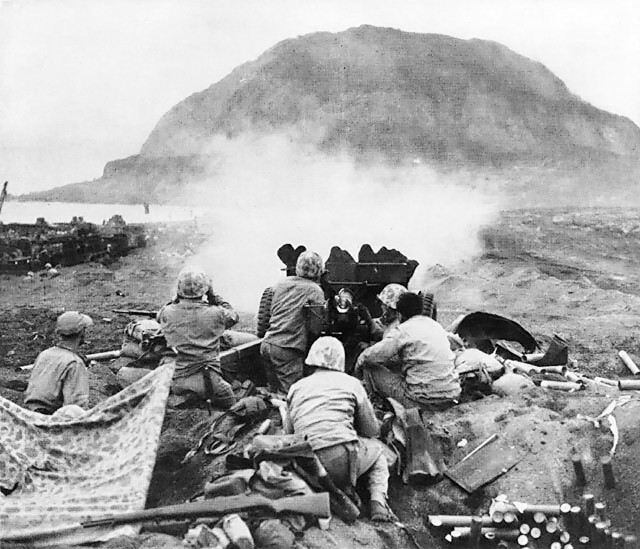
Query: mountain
{"points": [[383, 94]]}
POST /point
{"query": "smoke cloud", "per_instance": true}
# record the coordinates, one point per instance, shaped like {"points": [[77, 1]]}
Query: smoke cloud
{"points": [[268, 191]]}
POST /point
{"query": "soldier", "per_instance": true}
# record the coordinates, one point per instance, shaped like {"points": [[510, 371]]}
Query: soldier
{"points": [[287, 339], [413, 363], [196, 329], [332, 411], [59, 376], [389, 319]]}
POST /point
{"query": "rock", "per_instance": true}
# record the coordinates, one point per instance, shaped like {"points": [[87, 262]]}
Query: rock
{"points": [[122, 542], [273, 534], [160, 541]]}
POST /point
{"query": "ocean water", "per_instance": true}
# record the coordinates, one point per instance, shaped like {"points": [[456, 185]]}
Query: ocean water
{"points": [[62, 212]]}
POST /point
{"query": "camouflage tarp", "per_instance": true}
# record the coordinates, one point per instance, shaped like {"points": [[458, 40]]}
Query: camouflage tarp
{"points": [[63, 472]]}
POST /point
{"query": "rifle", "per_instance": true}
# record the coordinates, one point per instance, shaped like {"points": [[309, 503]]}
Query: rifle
{"points": [[311, 504], [308, 466], [150, 314]]}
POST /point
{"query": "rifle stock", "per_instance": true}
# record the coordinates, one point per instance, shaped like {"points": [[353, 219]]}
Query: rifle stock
{"points": [[311, 504]]}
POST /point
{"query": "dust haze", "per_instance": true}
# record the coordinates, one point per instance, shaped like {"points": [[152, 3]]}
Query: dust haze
{"points": [[267, 191]]}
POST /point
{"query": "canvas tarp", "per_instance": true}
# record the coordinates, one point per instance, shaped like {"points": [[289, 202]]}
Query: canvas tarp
{"points": [[64, 472]]}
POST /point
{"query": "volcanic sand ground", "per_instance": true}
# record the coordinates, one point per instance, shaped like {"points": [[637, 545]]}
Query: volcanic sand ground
{"points": [[553, 271]]}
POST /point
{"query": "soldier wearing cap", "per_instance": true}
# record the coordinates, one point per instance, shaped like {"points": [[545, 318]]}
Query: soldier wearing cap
{"points": [[332, 411], [287, 339], [196, 325], [59, 376]]}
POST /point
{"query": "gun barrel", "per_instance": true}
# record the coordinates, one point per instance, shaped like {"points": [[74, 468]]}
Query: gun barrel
{"points": [[151, 314]]}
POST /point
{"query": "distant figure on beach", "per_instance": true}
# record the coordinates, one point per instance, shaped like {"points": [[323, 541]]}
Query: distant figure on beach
{"points": [[146, 207]]}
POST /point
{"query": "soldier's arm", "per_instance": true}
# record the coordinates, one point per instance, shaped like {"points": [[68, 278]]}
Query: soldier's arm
{"points": [[75, 385], [216, 299], [384, 353], [366, 423]]}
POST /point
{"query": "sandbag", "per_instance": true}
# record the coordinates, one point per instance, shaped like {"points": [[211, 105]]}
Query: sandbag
{"points": [[472, 359], [511, 384]]}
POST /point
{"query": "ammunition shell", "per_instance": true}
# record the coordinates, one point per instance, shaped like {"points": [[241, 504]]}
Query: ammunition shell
{"points": [[628, 384], [551, 526], [494, 533], [628, 362], [535, 533], [509, 517], [617, 540], [606, 381], [539, 518], [600, 510], [525, 528], [562, 370], [578, 468], [599, 537], [532, 508], [497, 517], [588, 502], [630, 542], [523, 540], [561, 385], [475, 533], [555, 545], [575, 521], [607, 472], [455, 520]]}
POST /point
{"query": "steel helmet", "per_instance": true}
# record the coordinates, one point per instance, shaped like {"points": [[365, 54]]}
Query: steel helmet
{"points": [[391, 293], [309, 265], [193, 282], [326, 352]]}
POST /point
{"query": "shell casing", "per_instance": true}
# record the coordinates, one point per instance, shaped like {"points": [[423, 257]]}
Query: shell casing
{"points": [[497, 517], [600, 510], [565, 537], [588, 502], [551, 526], [539, 518], [628, 384], [617, 540], [455, 520], [509, 517], [575, 521], [607, 472], [475, 533], [578, 468]]}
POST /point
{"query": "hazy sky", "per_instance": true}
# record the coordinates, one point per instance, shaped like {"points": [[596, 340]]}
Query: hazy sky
{"points": [[84, 81]]}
